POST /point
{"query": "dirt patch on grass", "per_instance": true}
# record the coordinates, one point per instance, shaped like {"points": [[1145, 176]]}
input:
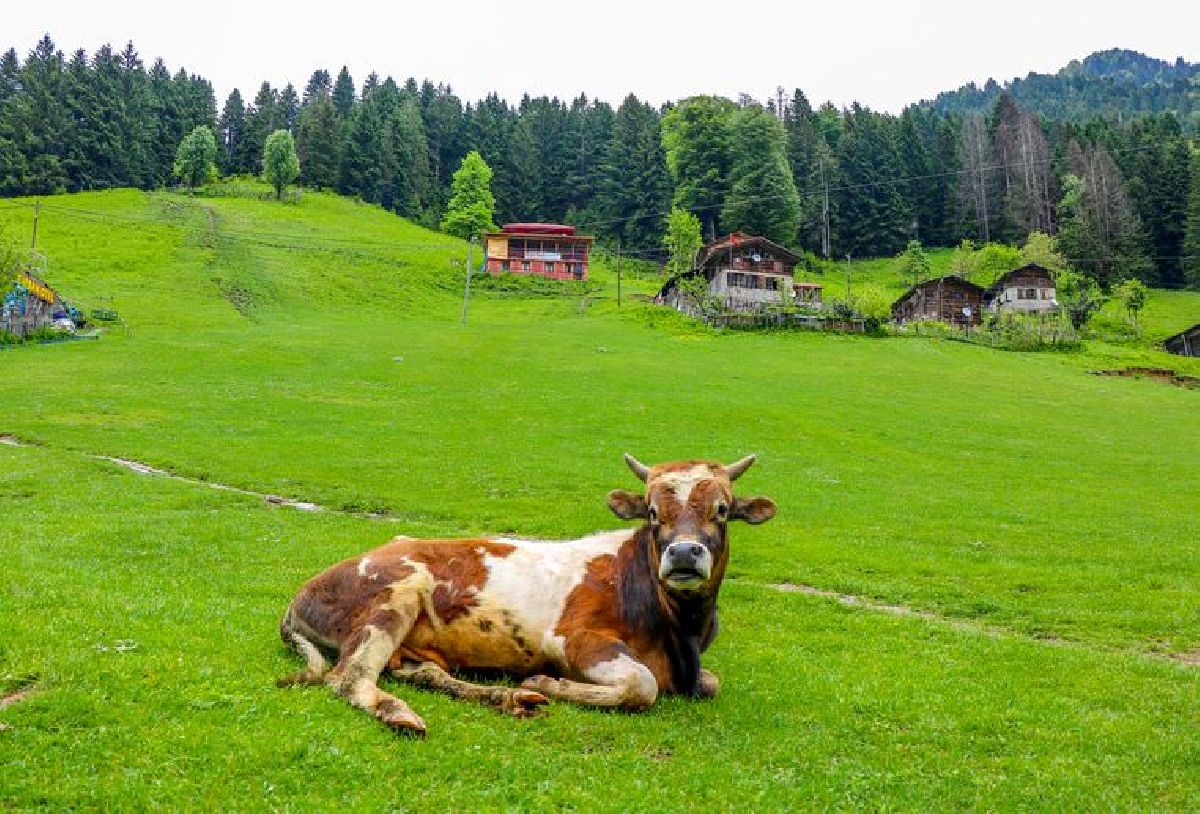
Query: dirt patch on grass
{"points": [[1158, 374], [1192, 657], [18, 693]]}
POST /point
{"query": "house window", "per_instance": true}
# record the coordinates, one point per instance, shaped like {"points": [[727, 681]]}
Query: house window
{"points": [[504, 265], [525, 266], [549, 267], [1027, 294]]}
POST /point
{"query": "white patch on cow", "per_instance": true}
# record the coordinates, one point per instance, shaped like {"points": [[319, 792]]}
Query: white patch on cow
{"points": [[682, 483], [362, 566], [533, 581], [629, 674]]}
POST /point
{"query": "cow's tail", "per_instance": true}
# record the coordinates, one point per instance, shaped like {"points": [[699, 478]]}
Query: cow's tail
{"points": [[298, 636]]}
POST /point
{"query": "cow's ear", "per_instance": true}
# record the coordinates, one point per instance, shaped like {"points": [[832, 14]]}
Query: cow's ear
{"points": [[753, 510], [627, 505]]}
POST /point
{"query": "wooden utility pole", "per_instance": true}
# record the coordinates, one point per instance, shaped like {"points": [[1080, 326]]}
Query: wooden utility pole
{"points": [[467, 294], [824, 214], [618, 272], [37, 205], [847, 279]]}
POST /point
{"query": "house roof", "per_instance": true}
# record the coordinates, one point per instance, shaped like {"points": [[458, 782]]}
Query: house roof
{"points": [[952, 279], [1195, 329], [735, 239], [1028, 268]]}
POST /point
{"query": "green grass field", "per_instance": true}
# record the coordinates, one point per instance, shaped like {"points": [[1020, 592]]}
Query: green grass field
{"points": [[1042, 520]]}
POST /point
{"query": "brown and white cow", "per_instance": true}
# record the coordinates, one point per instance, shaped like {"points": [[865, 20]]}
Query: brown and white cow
{"points": [[610, 620]]}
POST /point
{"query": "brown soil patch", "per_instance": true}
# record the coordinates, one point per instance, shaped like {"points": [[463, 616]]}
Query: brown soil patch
{"points": [[1159, 374]]}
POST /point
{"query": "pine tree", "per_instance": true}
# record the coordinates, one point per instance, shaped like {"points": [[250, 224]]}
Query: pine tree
{"points": [[289, 108], [469, 211], [230, 131], [762, 197], [343, 93], [812, 166], [262, 119], [360, 172], [637, 189], [317, 143], [319, 84], [1191, 239]]}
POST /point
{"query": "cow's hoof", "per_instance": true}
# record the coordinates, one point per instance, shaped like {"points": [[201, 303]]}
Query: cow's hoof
{"points": [[707, 685], [524, 703], [400, 718]]}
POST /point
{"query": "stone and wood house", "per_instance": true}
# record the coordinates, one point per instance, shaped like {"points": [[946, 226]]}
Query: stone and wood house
{"points": [[1027, 290], [743, 272]]}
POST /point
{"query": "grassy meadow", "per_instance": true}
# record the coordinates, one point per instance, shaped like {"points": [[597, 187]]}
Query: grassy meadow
{"points": [[1043, 521]]}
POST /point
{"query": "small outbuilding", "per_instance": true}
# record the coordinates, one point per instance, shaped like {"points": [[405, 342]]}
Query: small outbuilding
{"points": [[1184, 343], [31, 304], [950, 299], [1026, 290]]}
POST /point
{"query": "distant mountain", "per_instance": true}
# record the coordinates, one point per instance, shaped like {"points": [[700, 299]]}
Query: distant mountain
{"points": [[1116, 84]]}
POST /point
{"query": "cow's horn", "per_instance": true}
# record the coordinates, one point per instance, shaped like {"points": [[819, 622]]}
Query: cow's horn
{"points": [[738, 468], [639, 468]]}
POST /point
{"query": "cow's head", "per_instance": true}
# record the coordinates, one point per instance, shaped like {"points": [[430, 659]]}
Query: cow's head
{"points": [[686, 508]]}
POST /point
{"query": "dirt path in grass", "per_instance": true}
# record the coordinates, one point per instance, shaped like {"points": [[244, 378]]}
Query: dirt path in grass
{"points": [[1190, 658]]}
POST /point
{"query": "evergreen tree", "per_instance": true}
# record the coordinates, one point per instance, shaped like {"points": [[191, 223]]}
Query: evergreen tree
{"points": [[360, 172], [637, 188], [280, 164], [230, 131], [1158, 168], [762, 198], [317, 143], [1191, 239], [343, 93], [872, 217], [812, 166], [319, 84], [469, 211], [262, 119], [289, 108]]}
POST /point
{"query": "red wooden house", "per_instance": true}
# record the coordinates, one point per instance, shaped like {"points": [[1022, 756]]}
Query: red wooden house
{"points": [[547, 249]]}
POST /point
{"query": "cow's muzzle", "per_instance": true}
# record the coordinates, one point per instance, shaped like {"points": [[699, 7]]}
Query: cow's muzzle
{"points": [[685, 565]]}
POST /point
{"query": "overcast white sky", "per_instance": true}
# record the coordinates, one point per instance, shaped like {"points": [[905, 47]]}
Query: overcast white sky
{"points": [[883, 54]]}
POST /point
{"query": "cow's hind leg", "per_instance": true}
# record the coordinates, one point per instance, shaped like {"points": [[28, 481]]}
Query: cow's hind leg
{"points": [[612, 677], [294, 634], [519, 702], [365, 653]]}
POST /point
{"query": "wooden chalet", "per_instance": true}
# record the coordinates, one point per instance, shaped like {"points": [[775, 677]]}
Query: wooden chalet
{"points": [[1027, 290], [743, 271], [944, 299], [1184, 343], [547, 249]]}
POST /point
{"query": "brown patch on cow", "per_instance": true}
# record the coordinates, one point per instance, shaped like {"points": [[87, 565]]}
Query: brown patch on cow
{"points": [[593, 607], [486, 625], [457, 567]]}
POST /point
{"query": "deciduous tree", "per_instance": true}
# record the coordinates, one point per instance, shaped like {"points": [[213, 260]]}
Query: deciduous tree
{"points": [[281, 166], [469, 211]]}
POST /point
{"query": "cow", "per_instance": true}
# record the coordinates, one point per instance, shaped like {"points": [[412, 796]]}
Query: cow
{"points": [[614, 619]]}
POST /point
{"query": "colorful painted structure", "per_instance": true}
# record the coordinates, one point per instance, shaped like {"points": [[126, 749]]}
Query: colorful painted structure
{"points": [[30, 304], [547, 249]]}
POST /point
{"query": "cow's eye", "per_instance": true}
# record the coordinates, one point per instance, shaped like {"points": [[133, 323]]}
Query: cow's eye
{"points": [[653, 514], [722, 510]]}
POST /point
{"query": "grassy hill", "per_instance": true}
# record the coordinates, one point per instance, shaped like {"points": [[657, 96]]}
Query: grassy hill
{"points": [[1035, 524]]}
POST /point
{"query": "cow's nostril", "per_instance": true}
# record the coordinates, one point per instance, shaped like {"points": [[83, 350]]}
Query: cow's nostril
{"points": [[697, 550]]}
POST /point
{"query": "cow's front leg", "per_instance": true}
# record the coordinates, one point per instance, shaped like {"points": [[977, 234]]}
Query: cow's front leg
{"points": [[609, 675]]}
